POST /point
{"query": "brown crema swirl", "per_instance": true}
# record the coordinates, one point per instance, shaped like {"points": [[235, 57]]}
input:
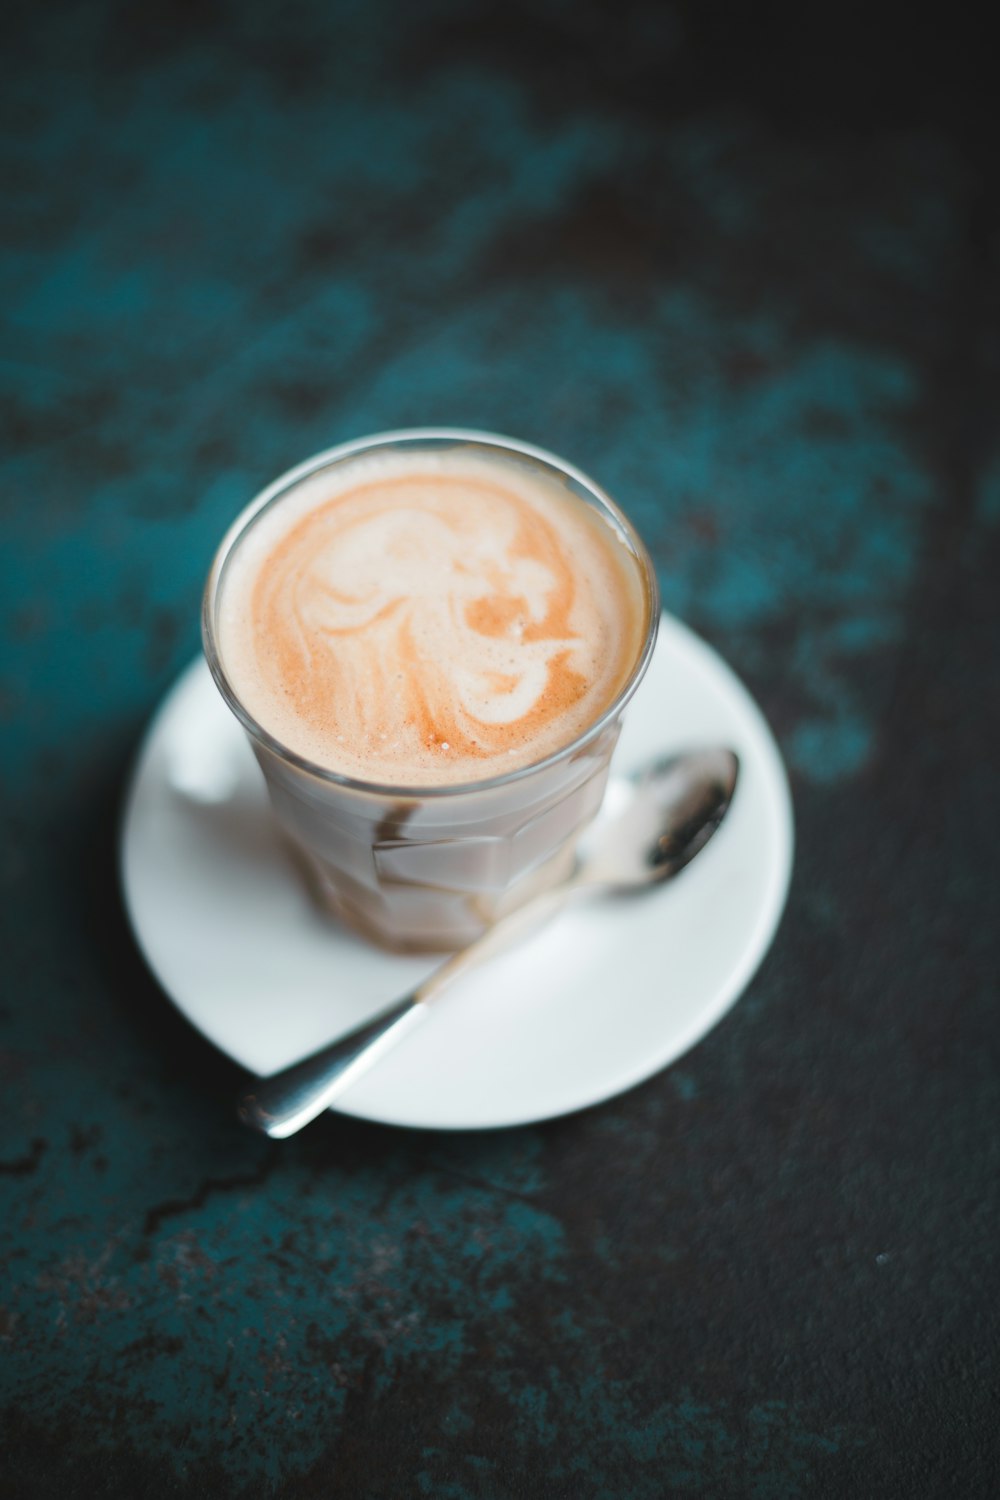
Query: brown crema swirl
{"points": [[426, 619]]}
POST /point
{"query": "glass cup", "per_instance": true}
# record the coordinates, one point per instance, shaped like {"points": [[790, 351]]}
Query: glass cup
{"points": [[430, 868]]}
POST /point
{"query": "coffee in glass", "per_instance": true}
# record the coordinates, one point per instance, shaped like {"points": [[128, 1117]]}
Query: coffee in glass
{"points": [[430, 637]]}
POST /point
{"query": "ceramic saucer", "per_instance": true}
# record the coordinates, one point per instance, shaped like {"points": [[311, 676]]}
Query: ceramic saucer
{"points": [[599, 1000]]}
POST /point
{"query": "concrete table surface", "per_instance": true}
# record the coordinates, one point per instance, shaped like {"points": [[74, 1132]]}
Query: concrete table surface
{"points": [[741, 266]]}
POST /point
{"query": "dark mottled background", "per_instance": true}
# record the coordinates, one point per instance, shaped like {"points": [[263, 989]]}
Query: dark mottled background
{"points": [[740, 263]]}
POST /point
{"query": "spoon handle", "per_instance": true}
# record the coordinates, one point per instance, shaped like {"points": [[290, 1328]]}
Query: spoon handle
{"points": [[505, 931], [280, 1105]]}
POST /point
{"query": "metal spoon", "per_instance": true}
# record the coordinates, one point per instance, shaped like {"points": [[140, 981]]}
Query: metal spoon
{"points": [[670, 811]]}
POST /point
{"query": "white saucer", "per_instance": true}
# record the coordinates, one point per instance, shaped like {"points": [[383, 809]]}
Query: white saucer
{"points": [[598, 1001]]}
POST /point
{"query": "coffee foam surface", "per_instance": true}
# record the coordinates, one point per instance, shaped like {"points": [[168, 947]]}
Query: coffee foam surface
{"points": [[417, 619]]}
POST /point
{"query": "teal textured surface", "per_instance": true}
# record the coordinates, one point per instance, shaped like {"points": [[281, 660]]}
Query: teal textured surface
{"points": [[745, 277]]}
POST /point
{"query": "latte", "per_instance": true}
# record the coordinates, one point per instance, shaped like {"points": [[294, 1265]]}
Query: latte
{"points": [[425, 618]]}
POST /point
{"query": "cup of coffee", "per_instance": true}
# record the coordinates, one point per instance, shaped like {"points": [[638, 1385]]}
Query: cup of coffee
{"points": [[429, 637]]}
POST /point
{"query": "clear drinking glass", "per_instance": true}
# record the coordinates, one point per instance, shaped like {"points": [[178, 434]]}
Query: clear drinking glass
{"points": [[429, 868]]}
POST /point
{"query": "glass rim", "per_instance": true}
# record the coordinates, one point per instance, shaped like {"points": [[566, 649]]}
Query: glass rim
{"points": [[451, 436]]}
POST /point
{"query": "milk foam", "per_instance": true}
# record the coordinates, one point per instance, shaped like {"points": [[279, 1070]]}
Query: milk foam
{"points": [[419, 618]]}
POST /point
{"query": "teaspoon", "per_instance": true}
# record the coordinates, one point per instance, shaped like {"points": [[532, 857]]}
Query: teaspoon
{"points": [[667, 814]]}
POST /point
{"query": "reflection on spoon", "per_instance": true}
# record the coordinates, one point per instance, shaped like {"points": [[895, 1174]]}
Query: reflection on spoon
{"points": [[660, 818]]}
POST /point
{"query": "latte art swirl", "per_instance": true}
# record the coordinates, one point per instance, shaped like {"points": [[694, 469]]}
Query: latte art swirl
{"points": [[429, 619]]}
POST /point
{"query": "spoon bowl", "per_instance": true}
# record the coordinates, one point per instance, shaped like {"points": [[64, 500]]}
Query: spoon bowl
{"points": [[666, 815]]}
